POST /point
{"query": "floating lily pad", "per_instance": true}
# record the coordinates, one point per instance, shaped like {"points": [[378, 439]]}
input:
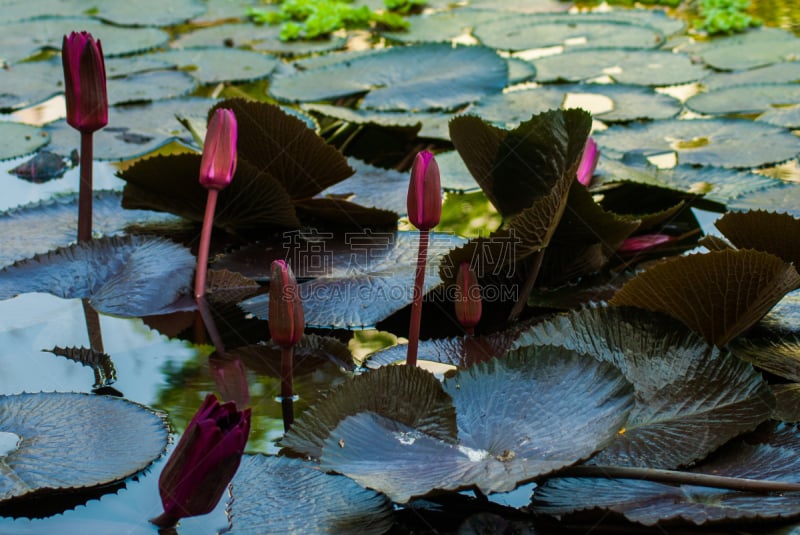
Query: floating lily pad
{"points": [[265, 492], [422, 77], [215, 65], [149, 86], [263, 38], [719, 295], [75, 441], [148, 12], [130, 276], [526, 32], [786, 117], [385, 281], [19, 40], [434, 125], [372, 186], [683, 387], [722, 142], [784, 198], [20, 139], [519, 418], [637, 67], [753, 98], [442, 26], [781, 73], [772, 458], [40, 227], [454, 173], [460, 351], [29, 83], [134, 130], [751, 49]]}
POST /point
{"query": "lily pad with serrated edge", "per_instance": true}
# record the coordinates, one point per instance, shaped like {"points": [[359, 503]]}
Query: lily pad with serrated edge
{"points": [[636, 67], [384, 281], [771, 232], [455, 175], [149, 86], [730, 143], [784, 198], [771, 456], [786, 117], [25, 84], [19, 40], [420, 77], [433, 125], [42, 226], [718, 295], [262, 38], [134, 130], [265, 492], [373, 186], [216, 65], [74, 441], [149, 12], [519, 418], [683, 386], [781, 73], [752, 98], [442, 26], [757, 48], [20, 139], [780, 357], [129, 276]]}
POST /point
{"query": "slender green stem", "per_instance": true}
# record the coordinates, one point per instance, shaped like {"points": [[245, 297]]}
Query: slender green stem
{"points": [[681, 478], [85, 189], [287, 393], [205, 241], [527, 288], [416, 307]]}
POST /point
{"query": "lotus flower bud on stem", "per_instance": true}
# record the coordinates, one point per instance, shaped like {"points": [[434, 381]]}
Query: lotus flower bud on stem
{"points": [[468, 298], [217, 167], [424, 203], [87, 110], [589, 158], [204, 461], [286, 325]]}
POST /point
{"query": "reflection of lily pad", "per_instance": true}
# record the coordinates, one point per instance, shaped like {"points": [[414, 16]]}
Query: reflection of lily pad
{"points": [[72, 441], [265, 500], [638, 67], [753, 98], [20, 139], [422, 77], [131, 276], [723, 142]]}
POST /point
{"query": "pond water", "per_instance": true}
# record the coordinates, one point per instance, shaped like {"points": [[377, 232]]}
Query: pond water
{"points": [[164, 364]]}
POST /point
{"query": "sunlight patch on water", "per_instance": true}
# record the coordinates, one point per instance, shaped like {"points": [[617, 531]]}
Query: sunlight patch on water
{"points": [[473, 454], [8, 442]]}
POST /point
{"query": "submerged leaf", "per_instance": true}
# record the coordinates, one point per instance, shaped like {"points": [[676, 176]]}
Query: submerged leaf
{"points": [[129, 276], [719, 295]]}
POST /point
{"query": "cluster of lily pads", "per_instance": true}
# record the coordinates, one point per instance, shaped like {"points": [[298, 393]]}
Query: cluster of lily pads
{"points": [[614, 372]]}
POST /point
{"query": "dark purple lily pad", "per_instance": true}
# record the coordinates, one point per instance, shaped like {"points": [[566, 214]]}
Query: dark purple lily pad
{"points": [[42, 167], [771, 232], [129, 276], [683, 387], [519, 418], [73, 441]]}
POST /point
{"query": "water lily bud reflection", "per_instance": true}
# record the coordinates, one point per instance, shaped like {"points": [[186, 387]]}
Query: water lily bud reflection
{"points": [[424, 201], [204, 461], [218, 164], [84, 82], [468, 302], [588, 162], [286, 318]]}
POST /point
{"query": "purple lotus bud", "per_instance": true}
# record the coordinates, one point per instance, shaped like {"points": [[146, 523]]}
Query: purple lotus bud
{"points": [[204, 461], [468, 298], [219, 150], [84, 82], [588, 162], [638, 244], [424, 199], [286, 319]]}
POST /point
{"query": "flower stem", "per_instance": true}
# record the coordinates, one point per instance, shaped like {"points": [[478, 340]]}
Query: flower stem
{"points": [[85, 189], [416, 307], [286, 387], [205, 241], [93, 327]]}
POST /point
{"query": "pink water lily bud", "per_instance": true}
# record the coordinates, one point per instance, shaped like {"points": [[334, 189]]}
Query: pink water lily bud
{"points": [[638, 244], [218, 164], [286, 319], [468, 296], [424, 200], [204, 461], [588, 162], [84, 82]]}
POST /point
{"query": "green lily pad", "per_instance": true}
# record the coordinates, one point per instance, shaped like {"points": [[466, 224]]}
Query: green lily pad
{"points": [[753, 98], [637, 67], [262, 38], [26, 84], [42, 226], [781, 73], [372, 186], [719, 295], [421, 77], [786, 117], [773, 457], [148, 12], [75, 441], [134, 130], [215, 65], [264, 499], [454, 173], [20, 139], [130, 276], [442, 26], [19, 40], [149, 86], [434, 125], [683, 387], [728, 143], [752, 49], [574, 403], [784, 198]]}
